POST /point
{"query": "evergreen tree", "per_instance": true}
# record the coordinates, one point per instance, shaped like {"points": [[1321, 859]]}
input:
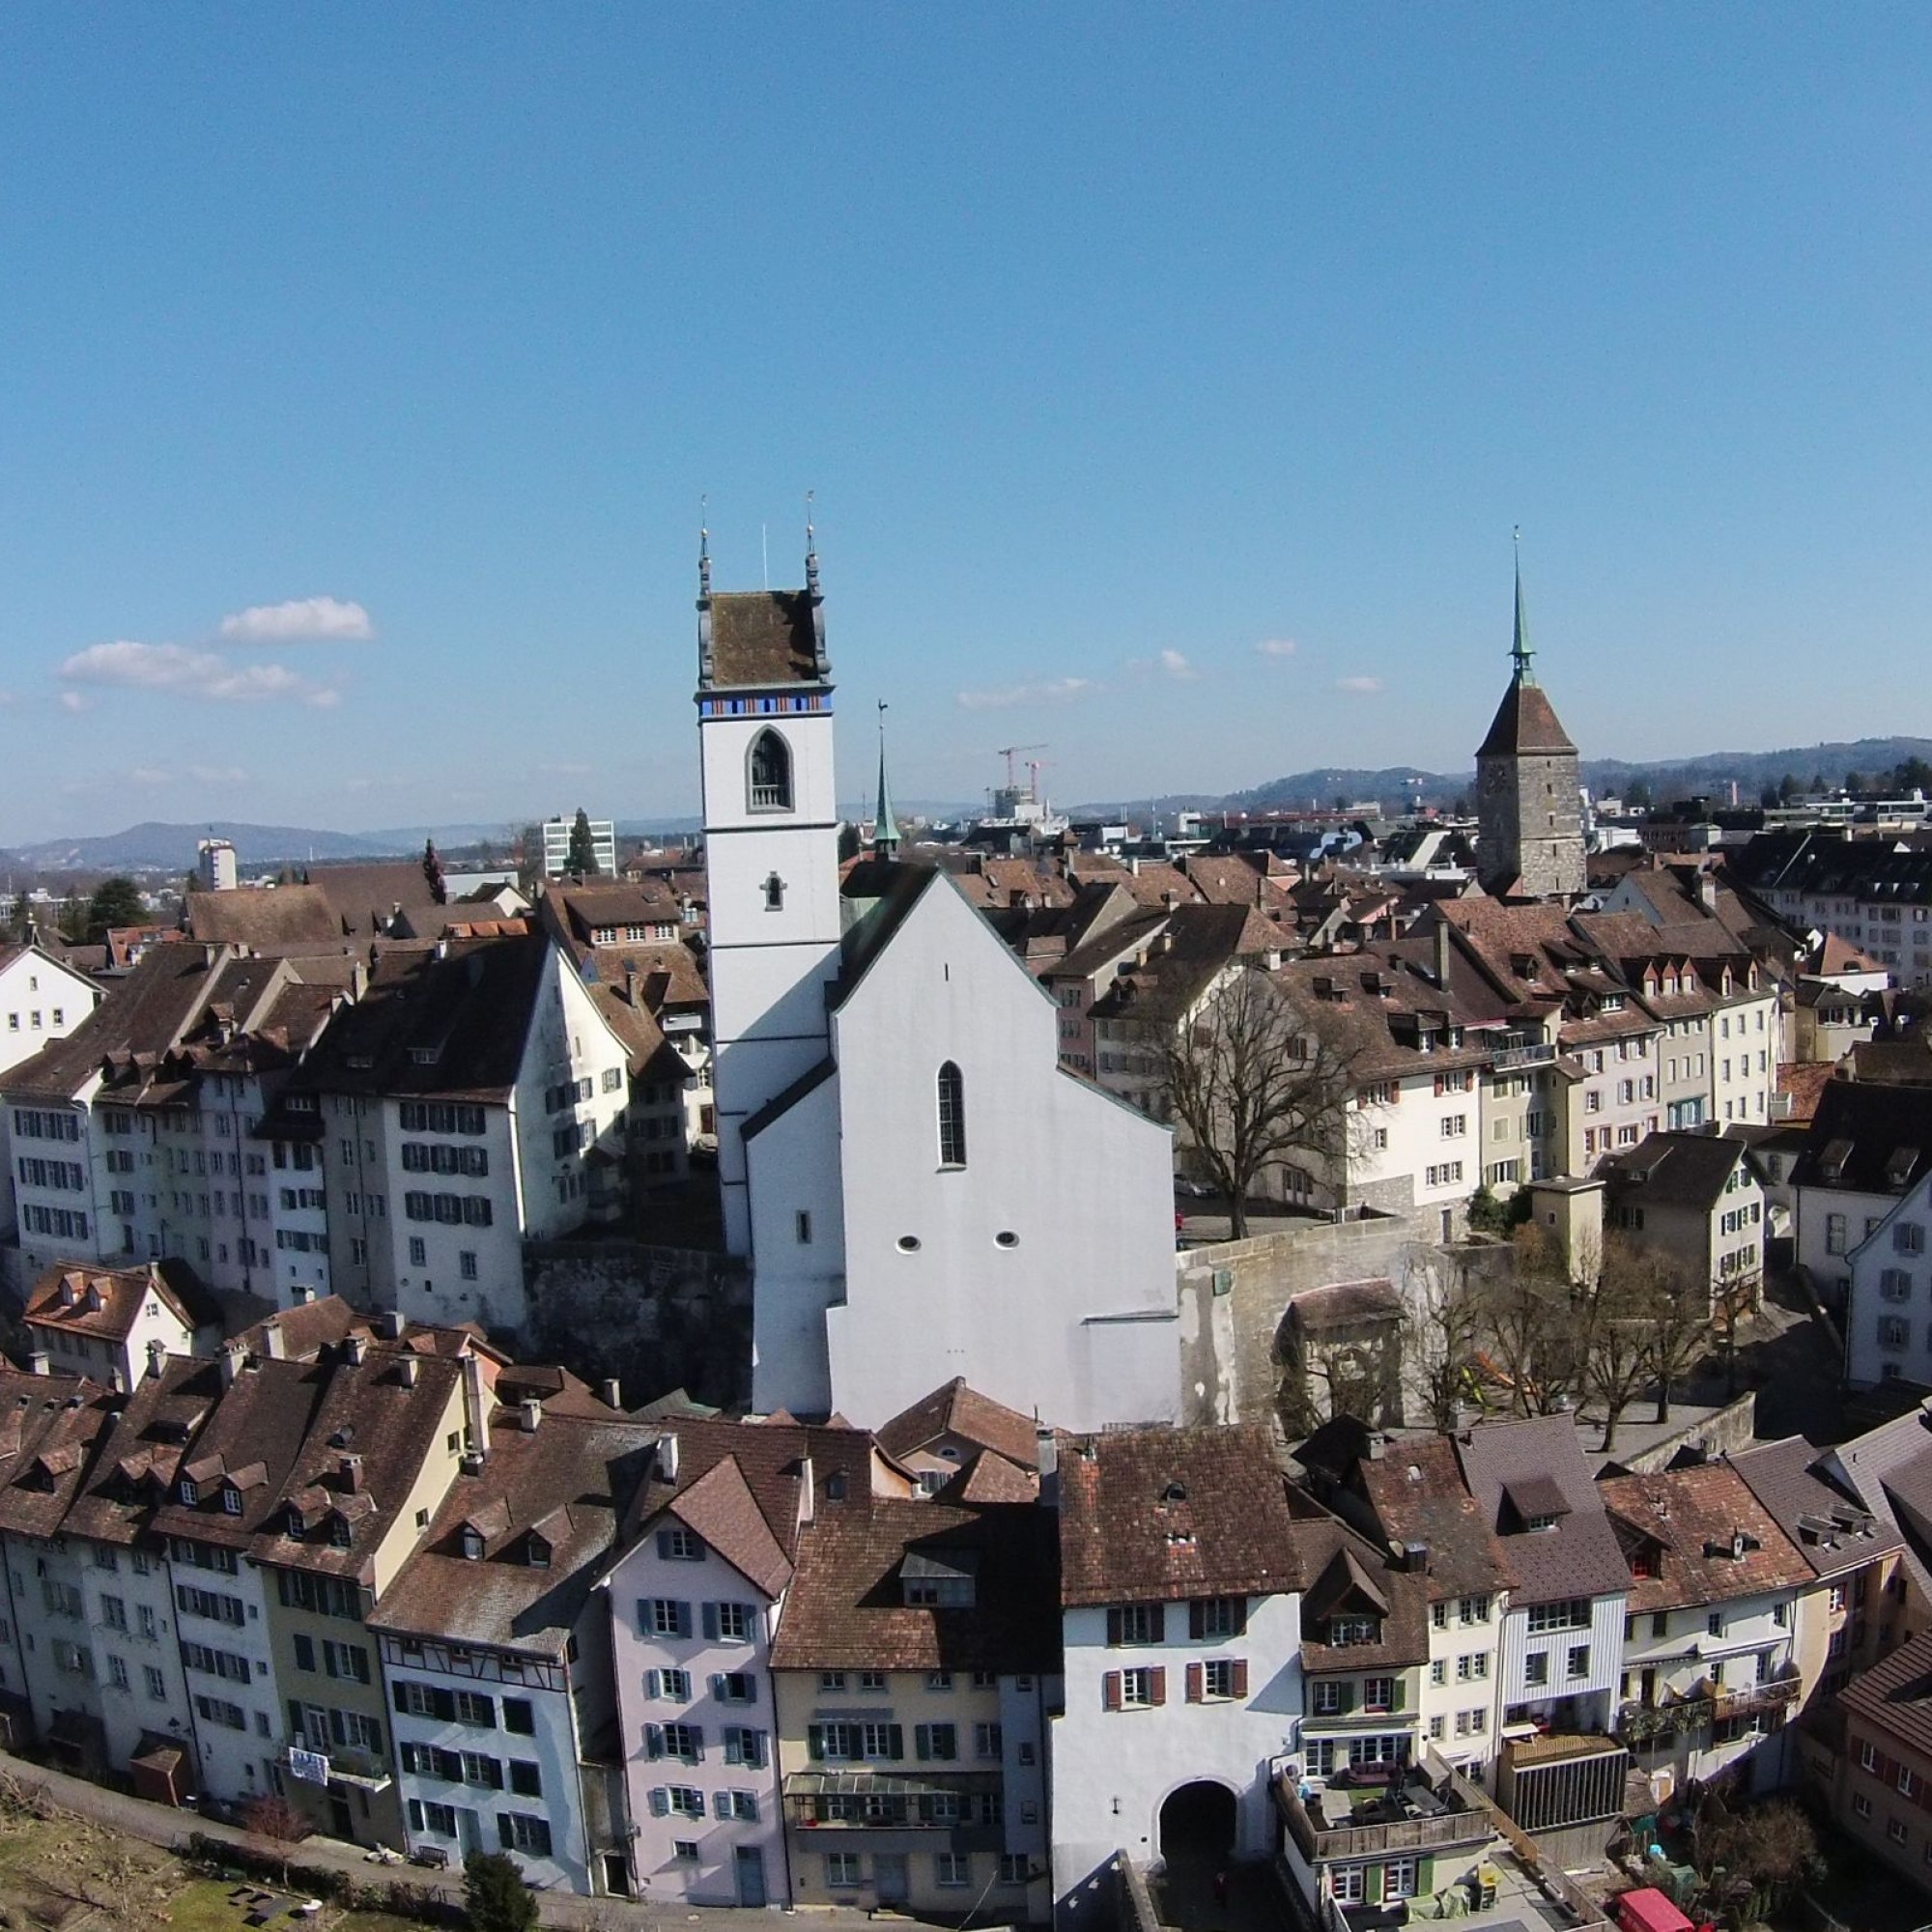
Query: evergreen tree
{"points": [[580, 860], [433, 872], [495, 1894], [116, 903]]}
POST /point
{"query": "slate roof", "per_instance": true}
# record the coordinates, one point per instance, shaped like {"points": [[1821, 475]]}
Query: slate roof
{"points": [[1526, 722], [1579, 1557], [1867, 1139], [1896, 1694], [1150, 1515], [1826, 1523], [1675, 1170], [1692, 1517], [847, 1608], [763, 638], [959, 1411], [1889, 1469]]}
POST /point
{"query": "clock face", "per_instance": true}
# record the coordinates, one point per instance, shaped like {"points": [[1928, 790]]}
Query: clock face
{"points": [[1495, 780]]}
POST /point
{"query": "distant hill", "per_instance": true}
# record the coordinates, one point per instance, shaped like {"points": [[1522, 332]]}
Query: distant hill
{"points": [[153, 846]]}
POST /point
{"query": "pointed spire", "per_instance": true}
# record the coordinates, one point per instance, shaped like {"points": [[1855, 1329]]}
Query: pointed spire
{"points": [[885, 827], [810, 550], [1521, 651], [703, 547]]}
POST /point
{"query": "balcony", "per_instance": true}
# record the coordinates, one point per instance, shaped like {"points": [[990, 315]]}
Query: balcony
{"points": [[1559, 1778], [1414, 1817], [341, 1764], [1646, 1725], [966, 1805], [1512, 1058]]}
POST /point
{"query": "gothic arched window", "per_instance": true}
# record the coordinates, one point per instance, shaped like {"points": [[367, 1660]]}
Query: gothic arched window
{"points": [[770, 773], [952, 1117]]}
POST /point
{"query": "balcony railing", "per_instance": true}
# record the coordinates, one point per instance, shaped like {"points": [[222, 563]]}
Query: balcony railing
{"points": [[346, 1764], [1707, 1703], [1371, 1837], [1508, 1059]]}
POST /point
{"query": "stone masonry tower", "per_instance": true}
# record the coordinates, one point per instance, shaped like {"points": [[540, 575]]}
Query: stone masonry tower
{"points": [[1528, 792]]}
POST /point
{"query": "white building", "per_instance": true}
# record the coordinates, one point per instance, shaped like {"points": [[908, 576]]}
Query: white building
{"points": [[1867, 1146], [924, 1190], [1180, 1586], [42, 998], [557, 833], [1889, 1309]]}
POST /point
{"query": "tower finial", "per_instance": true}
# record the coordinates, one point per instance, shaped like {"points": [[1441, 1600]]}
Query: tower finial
{"points": [[703, 547], [885, 828], [811, 549], [1521, 651]]}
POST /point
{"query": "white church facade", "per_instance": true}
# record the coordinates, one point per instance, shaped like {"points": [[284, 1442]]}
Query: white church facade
{"points": [[922, 1190]]}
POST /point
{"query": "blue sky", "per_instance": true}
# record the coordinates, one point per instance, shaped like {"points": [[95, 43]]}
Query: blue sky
{"points": [[363, 368]]}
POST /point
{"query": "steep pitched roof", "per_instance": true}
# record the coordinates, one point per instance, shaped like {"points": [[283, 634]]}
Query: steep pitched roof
{"points": [[763, 638], [1868, 1138], [1826, 1523], [961, 1410], [1896, 1693], [1675, 1170], [721, 1510], [1714, 1539], [1579, 1555], [1417, 1494], [1160, 1514], [107, 1303], [1525, 723], [264, 919]]}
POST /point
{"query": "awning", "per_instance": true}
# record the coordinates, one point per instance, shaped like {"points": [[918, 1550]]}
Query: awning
{"points": [[888, 1784]]}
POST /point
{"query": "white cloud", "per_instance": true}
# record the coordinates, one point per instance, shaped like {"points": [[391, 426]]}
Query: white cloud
{"points": [[73, 700], [1004, 697], [1275, 647], [1362, 687], [329, 619], [151, 775], [1174, 666], [217, 775], [197, 675]]}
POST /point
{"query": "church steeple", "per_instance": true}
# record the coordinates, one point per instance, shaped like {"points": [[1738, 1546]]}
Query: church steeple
{"points": [[1521, 652], [885, 827]]}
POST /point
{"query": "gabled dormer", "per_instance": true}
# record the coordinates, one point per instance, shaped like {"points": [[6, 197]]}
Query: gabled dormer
{"points": [[1346, 1606]]}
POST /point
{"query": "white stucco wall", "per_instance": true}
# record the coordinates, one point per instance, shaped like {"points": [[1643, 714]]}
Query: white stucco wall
{"points": [[1875, 1260]]}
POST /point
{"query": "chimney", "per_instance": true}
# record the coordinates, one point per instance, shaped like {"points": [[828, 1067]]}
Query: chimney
{"points": [[1707, 892], [275, 1343], [475, 1409], [390, 1324], [441, 951], [158, 1356], [411, 1370], [1442, 954], [808, 1493], [234, 1353], [350, 1468], [667, 1456], [630, 998], [355, 1349], [611, 1390], [303, 1294], [1046, 1449], [38, 1363], [1377, 1447], [1415, 1558], [358, 979], [529, 1413]]}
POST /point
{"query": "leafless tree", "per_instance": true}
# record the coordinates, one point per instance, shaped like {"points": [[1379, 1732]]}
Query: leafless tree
{"points": [[1527, 1319], [1737, 1302], [270, 1817], [1680, 1328], [1247, 1085], [1442, 1344], [1616, 1307]]}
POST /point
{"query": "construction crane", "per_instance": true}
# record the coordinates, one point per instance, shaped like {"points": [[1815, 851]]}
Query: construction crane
{"points": [[1009, 752]]}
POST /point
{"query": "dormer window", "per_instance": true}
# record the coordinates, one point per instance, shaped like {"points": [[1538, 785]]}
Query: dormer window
{"points": [[1354, 1630], [231, 1499], [537, 1551], [939, 1579], [1644, 1565], [472, 1543], [294, 1526], [190, 1491], [1540, 1522], [339, 1531]]}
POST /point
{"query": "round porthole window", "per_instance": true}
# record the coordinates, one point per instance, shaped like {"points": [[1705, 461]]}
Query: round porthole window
{"points": [[1006, 1239], [908, 1244]]}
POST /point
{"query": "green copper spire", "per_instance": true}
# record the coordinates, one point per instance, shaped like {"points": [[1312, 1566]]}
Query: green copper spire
{"points": [[885, 828], [1521, 651]]}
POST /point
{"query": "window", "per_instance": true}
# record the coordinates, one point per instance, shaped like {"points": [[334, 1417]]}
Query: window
{"points": [[1472, 1668], [1137, 1622], [951, 1868], [1223, 1677], [1862, 1805], [520, 1717], [1354, 1630], [1572, 1615], [1579, 1659], [1895, 1829], [952, 1117], [663, 1616], [466, 1264], [770, 773], [673, 1686], [988, 1741], [735, 1686], [526, 1778], [679, 1545], [156, 1682], [1908, 1237], [1350, 1883], [519, 1833], [1330, 1699], [117, 1672], [1377, 1693], [841, 1868], [743, 1746], [1137, 1688], [731, 1623], [1397, 1880], [1472, 1609], [1535, 1667]]}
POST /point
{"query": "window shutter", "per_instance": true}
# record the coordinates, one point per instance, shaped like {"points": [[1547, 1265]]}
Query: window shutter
{"points": [[896, 1741], [644, 1616], [1240, 1616], [1157, 1684], [296, 1719], [1197, 1621], [654, 1740], [1160, 1623], [660, 1802], [1395, 1693], [921, 1742], [717, 1680], [400, 1705], [815, 1743], [444, 1703], [503, 1832], [664, 1543], [721, 1804], [711, 1622], [1113, 1629], [1240, 1677], [1196, 1678], [1346, 1692], [684, 1620], [1110, 1690], [653, 1684], [495, 1771]]}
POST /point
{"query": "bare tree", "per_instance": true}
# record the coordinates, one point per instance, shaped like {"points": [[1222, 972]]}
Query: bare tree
{"points": [[1680, 1328], [1247, 1084], [1527, 1319], [1617, 1302], [1442, 1344], [1737, 1302], [269, 1815]]}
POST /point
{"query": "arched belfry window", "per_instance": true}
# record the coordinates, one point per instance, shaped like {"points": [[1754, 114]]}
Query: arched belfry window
{"points": [[952, 1117], [770, 775]]}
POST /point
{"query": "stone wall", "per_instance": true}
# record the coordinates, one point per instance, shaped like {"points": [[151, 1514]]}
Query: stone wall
{"points": [[657, 1319]]}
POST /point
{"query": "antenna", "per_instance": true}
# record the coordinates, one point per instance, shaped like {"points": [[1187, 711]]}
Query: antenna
{"points": [[765, 550], [704, 545]]}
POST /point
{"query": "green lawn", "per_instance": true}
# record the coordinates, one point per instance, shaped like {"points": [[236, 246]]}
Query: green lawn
{"points": [[205, 1906]]}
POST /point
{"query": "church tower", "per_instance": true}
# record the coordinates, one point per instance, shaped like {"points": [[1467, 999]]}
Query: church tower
{"points": [[1529, 812], [771, 851]]}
